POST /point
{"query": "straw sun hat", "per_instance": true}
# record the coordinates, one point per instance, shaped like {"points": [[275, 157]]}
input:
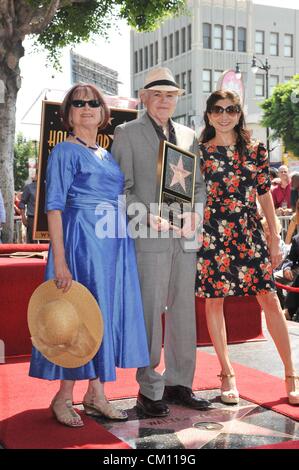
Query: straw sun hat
{"points": [[161, 79], [67, 328]]}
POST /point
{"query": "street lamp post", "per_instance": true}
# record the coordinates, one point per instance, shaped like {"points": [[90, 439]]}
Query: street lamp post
{"points": [[257, 65], [265, 66]]}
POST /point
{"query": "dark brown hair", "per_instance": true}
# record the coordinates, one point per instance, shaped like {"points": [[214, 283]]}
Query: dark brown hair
{"points": [[243, 134], [295, 181], [296, 215], [67, 102]]}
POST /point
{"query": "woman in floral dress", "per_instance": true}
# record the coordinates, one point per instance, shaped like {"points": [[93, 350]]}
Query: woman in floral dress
{"points": [[234, 259]]}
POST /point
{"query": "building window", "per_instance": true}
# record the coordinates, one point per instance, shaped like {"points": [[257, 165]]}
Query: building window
{"points": [[189, 81], [273, 81], [230, 38], [171, 46], [180, 119], [218, 37], [288, 45], [151, 55], [165, 48], [274, 41], [136, 62], [140, 59], [207, 36], [177, 43], [207, 81], [189, 39], [177, 79], [217, 75], [242, 39], [260, 42], [183, 35], [259, 85], [183, 82], [156, 52], [146, 57]]}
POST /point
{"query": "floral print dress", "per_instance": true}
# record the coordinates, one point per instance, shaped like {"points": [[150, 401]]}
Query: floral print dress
{"points": [[234, 258]]}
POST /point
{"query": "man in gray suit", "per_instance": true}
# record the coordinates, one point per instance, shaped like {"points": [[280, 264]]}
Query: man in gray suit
{"points": [[166, 269]]}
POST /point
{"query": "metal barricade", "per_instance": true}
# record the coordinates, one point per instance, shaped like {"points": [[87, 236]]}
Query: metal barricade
{"points": [[284, 221], [18, 237]]}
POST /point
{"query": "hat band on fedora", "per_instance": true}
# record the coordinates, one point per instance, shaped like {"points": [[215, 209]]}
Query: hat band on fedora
{"points": [[161, 82]]}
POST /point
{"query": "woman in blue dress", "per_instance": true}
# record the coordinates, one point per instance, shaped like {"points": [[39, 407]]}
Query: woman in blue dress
{"points": [[90, 244]]}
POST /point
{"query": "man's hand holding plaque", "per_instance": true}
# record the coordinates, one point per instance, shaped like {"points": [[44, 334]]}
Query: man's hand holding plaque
{"points": [[157, 223], [191, 221]]}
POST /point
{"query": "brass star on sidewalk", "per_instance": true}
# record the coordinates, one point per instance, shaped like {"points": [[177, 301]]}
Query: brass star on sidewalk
{"points": [[195, 429], [179, 174]]}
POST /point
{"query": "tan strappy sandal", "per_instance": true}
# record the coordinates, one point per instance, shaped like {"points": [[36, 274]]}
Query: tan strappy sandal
{"points": [[230, 396], [104, 408], [293, 394], [65, 414]]}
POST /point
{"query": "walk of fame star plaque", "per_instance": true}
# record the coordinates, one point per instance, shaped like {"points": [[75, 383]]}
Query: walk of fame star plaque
{"points": [[175, 182]]}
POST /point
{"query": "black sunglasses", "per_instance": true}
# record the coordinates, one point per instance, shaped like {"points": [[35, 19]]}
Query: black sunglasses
{"points": [[82, 103], [231, 110]]}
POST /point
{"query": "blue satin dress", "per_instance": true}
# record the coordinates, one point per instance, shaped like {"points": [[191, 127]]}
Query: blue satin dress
{"points": [[88, 192]]}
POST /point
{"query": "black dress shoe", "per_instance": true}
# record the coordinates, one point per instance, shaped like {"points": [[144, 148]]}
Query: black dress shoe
{"points": [[184, 396], [151, 407]]}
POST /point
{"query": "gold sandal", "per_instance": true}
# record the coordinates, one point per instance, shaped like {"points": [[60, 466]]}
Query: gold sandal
{"points": [[230, 396], [65, 413], [293, 395], [104, 408]]}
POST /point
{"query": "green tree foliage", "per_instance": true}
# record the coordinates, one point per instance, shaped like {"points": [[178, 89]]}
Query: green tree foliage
{"points": [[80, 21], [281, 113], [23, 150]]}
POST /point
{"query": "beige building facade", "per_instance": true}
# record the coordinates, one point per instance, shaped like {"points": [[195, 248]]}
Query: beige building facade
{"points": [[212, 37]]}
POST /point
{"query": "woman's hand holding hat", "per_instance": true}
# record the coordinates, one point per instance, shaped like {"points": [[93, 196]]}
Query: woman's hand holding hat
{"points": [[66, 328], [63, 277]]}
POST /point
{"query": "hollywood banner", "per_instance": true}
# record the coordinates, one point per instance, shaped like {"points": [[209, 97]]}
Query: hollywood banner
{"points": [[52, 133]]}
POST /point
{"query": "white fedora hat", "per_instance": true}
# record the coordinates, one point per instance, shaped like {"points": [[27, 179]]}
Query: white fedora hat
{"points": [[161, 79], [67, 328]]}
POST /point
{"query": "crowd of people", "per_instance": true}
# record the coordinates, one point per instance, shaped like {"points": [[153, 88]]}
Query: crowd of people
{"points": [[285, 192], [134, 281]]}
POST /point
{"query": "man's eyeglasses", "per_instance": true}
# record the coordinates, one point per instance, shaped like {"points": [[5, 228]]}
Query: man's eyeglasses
{"points": [[82, 103], [231, 110]]}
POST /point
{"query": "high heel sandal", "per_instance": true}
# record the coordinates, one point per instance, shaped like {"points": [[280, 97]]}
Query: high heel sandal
{"points": [[230, 396], [293, 395], [104, 408], [64, 413]]}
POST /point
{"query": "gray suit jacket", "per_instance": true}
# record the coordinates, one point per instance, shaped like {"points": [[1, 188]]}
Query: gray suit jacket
{"points": [[136, 149]]}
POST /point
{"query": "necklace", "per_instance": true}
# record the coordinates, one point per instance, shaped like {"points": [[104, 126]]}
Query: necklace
{"points": [[84, 143], [226, 146]]}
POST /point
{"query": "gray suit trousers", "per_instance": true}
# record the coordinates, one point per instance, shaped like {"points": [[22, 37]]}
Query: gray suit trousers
{"points": [[167, 279]]}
